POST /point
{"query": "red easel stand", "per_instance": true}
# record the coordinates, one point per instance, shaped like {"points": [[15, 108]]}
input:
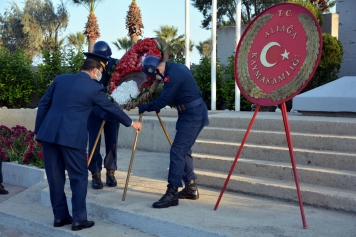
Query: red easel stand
{"points": [[291, 153]]}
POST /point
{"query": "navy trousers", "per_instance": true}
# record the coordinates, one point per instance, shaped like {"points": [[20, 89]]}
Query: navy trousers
{"points": [[181, 161], [56, 159], [111, 133]]}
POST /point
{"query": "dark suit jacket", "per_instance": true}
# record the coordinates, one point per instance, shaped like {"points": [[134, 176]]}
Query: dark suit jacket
{"points": [[64, 109]]}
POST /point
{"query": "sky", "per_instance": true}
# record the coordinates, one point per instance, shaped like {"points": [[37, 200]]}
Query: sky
{"points": [[111, 16]]}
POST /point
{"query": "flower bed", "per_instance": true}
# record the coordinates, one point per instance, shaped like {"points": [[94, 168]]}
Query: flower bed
{"points": [[17, 145]]}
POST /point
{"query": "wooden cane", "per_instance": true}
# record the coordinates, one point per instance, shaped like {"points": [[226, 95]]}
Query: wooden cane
{"points": [[96, 142], [164, 129], [131, 161]]}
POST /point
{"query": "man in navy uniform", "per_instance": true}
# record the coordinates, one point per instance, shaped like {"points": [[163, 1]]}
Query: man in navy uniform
{"points": [[180, 88], [61, 127], [111, 129]]}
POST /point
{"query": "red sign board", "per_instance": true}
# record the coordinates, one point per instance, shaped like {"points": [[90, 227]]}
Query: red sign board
{"points": [[278, 54]]}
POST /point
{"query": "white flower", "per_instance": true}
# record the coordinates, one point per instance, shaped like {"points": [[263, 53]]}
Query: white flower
{"points": [[125, 92]]}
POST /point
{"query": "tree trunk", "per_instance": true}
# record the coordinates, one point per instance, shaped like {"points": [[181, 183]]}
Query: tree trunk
{"points": [[134, 39], [91, 44]]}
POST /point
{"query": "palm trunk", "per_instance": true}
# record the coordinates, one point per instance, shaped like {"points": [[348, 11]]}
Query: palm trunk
{"points": [[91, 44], [134, 39]]}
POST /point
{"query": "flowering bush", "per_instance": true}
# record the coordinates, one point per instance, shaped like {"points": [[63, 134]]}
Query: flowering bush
{"points": [[17, 144]]}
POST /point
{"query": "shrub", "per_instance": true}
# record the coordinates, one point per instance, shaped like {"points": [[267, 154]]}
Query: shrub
{"points": [[330, 63], [17, 144], [56, 62], [17, 85], [229, 91], [202, 75]]}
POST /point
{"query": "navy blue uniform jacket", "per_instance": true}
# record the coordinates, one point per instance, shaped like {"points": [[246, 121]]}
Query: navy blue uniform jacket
{"points": [[181, 88], [63, 111]]}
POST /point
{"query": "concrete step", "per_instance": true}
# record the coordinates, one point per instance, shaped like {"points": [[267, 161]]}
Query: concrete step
{"points": [[25, 212], [249, 215], [190, 218], [315, 195], [308, 157], [266, 137], [342, 179], [273, 122]]}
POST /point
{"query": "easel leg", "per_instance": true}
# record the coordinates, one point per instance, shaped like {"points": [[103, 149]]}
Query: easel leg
{"points": [[291, 153], [131, 161], [96, 142], [237, 156], [164, 129]]}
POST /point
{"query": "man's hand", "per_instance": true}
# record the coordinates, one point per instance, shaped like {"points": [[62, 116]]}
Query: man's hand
{"points": [[137, 126], [142, 108]]}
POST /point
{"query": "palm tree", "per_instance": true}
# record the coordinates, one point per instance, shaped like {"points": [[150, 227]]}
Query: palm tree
{"points": [[204, 48], [323, 5], [77, 40], [175, 42], [123, 43], [134, 22], [91, 27]]}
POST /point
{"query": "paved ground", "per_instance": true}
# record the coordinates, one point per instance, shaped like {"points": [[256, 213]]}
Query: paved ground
{"points": [[9, 231]]}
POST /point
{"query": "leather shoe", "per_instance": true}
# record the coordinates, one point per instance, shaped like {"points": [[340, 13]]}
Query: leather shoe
{"points": [[190, 191], [96, 180], [2, 190], [110, 178], [170, 198], [78, 225], [62, 222]]}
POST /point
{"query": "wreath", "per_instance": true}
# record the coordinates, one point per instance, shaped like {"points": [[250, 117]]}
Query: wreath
{"points": [[129, 86]]}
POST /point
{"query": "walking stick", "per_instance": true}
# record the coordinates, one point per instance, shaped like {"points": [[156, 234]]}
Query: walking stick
{"points": [[131, 161], [164, 129], [96, 142]]}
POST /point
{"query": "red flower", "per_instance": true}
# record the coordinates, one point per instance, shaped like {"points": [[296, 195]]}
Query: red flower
{"points": [[132, 61]]}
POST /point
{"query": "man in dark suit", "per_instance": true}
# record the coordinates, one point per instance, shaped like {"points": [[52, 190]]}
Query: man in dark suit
{"points": [[181, 89], [61, 127]]}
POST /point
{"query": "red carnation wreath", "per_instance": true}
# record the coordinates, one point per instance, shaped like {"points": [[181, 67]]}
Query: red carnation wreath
{"points": [[129, 69], [132, 60]]}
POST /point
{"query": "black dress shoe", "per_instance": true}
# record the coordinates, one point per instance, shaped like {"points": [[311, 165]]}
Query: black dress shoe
{"points": [[78, 225], [96, 181], [2, 190], [170, 198], [110, 178], [62, 222]]}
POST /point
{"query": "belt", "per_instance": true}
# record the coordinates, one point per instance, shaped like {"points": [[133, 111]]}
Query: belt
{"points": [[189, 105]]}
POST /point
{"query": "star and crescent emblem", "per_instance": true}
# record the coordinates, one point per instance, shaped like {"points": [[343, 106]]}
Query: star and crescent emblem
{"points": [[278, 54], [264, 51]]}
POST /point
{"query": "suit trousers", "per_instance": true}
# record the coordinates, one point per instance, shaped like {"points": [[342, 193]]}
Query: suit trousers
{"points": [[57, 158], [181, 161], [111, 133]]}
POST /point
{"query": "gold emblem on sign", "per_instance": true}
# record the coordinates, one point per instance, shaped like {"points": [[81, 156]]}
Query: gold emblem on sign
{"points": [[312, 49]]}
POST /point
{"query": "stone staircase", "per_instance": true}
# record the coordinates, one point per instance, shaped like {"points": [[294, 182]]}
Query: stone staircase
{"points": [[325, 156], [324, 149]]}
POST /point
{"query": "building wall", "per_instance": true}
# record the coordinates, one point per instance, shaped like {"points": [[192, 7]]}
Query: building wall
{"points": [[347, 35], [225, 45]]}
